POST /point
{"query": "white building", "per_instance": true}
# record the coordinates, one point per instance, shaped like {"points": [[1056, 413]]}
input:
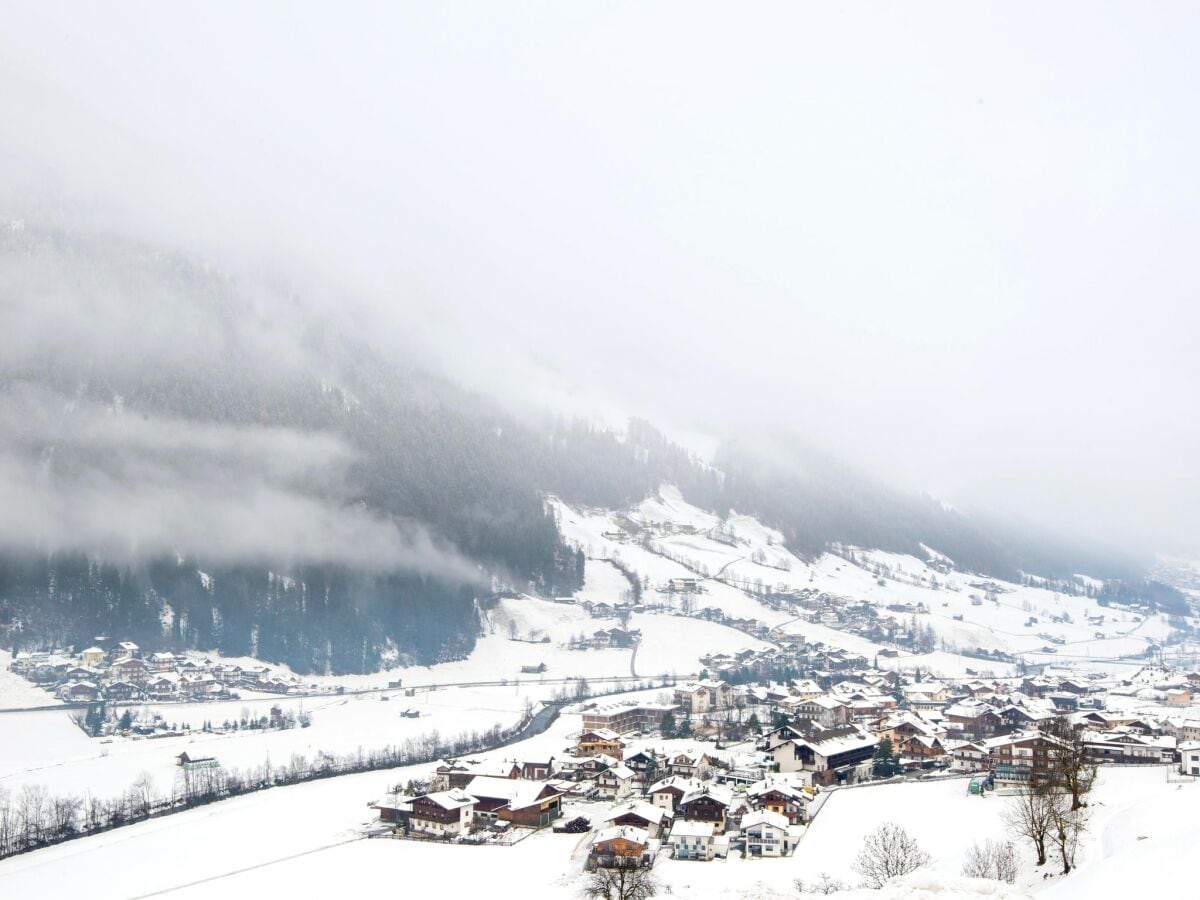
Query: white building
{"points": [[697, 840], [767, 834], [1189, 759], [616, 782]]}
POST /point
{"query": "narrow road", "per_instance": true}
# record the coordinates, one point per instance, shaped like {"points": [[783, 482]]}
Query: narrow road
{"points": [[275, 698]]}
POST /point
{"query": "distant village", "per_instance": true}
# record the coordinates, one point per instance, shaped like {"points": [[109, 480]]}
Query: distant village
{"points": [[123, 673]]}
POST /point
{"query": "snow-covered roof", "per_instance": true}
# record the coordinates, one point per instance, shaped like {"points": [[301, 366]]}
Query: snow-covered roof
{"points": [[624, 832], [718, 792], [639, 808], [764, 817], [835, 740], [452, 799], [516, 792], [604, 734], [394, 801], [827, 702], [678, 782], [690, 828], [620, 771], [969, 709], [767, 785]]}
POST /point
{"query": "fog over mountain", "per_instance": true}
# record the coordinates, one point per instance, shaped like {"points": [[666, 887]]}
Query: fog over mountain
{"points": [[249, 251]]}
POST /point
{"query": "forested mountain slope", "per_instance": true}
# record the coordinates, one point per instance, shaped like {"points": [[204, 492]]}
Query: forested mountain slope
{"points": [[193, 460]]}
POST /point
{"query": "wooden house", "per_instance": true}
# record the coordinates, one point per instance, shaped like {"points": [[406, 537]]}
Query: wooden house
{"points": [[654, 820], [600, 741], [620, 845], [529, 804], [670, 791], [708, 803], [443, 813], [779, 797]]}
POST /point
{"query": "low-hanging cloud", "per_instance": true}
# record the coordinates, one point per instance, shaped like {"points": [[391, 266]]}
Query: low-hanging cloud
{"points": [[79, 476], [953, 245]]}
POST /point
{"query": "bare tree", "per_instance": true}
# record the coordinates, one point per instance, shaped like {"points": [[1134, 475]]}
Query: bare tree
{"points": [[991, 859], [886, 852], [64, 816], [626, 880], [1070, 767], [1030, 815], [1067, 825], [93, 811], [825, 884], [8, 823], [142, 794], [32, 814]]}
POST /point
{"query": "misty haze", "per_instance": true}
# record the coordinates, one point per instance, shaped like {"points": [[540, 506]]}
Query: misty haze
{"points": [[607, 433]]}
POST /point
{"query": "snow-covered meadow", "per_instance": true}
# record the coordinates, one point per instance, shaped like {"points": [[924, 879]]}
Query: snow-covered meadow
{"points": [[305, 841]]}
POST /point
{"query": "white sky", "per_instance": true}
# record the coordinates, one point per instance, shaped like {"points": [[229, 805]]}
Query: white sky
{"points": [[953, 242]]}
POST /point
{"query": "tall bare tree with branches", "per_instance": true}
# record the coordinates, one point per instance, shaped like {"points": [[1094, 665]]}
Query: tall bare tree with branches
{"points": [[625, 880], [1030, 815], [1067, 825], [1070, 768]]}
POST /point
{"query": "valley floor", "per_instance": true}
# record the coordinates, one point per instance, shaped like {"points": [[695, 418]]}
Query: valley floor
{"points": [[306, 841]]}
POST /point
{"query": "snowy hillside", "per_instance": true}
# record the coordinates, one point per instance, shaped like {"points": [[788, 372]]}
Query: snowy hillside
{"points": [[737, 560]]}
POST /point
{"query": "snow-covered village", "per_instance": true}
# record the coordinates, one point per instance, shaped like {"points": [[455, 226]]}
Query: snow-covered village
{"points": [[667, 450], [757, 720]]}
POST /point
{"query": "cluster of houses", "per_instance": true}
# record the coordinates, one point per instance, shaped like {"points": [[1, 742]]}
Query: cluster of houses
{"points": [[123, 673], [649, 793], [1002, 726], [650, 800], [830, 725], [604, 638]]}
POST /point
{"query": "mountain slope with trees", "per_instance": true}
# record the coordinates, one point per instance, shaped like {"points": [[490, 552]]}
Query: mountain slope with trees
{"points": [[151, 369]]}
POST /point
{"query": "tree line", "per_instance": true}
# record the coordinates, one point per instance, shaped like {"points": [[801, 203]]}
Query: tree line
{"points": [[31, 817]]}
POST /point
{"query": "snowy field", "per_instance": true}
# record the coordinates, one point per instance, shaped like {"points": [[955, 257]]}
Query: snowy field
{"points": [[303, 841], [47, 748], [16, 692], [674, 644]]}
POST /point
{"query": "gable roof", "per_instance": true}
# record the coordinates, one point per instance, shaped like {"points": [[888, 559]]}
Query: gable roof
{"points": [[768, 786], [764, 817], [640, 808], [719, 793], [622, 832], [600, 734], [675, 783], [453, 799], [621, 771], [692, 828]]}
